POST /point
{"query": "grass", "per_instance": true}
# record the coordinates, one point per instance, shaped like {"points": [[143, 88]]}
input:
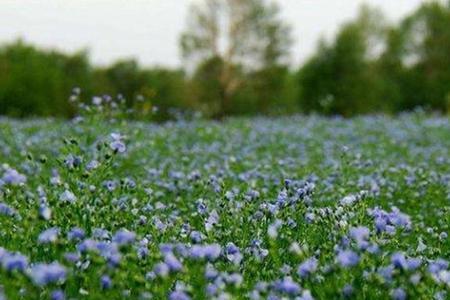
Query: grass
{"points": [[273, 188]]}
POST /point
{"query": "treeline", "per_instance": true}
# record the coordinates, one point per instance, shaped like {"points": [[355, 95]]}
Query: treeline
{"points": [[36, 82], [369, 66], [372, 66]]}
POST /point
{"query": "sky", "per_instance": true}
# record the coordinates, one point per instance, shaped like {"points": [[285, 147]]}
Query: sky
{"points": [[148, 30]]}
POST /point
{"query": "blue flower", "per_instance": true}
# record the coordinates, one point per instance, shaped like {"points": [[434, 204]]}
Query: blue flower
{"points": [[386, 272], [13, 177], [142, 252], [161, 269], [437, 265], [43, 274], [14, 261], [6, 210], [75, 234], [124, 237], [87, 245], [398, 294], [347, 291], [288, 286], [232, 253], [398, 260], [105, 282], [208, 252], [72, 257], [48, 236], [57, 295], [347, 258], [172, 262], [178, 295], [308, 267], [360, 235], [45, 212], [117, 144], [67, 196], [196, 236]]}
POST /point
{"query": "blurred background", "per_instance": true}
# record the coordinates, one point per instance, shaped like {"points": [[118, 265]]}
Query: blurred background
{"points": [[225, 57]]}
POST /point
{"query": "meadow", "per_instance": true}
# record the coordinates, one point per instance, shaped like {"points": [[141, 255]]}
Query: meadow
{"points": [[300, 207]]}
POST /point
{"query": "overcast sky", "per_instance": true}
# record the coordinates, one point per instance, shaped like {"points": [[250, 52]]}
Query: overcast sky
{"points": [[148, 29]]}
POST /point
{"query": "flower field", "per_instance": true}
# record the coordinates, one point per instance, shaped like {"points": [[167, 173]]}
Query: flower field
{"points": [[283, 208]]}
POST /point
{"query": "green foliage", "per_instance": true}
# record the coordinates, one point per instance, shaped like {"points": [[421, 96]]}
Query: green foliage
{"points": [[34, 82], [341, 78], [239, 48], [236, 55], [412, 67], [140, 202]]}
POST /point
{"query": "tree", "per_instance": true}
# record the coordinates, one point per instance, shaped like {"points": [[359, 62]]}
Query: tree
{"points": [[425, 53], [237, 36], [341, 77], [36, 82]]}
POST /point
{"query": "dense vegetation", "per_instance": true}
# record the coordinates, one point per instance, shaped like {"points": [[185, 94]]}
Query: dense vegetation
{"points": [[370, 66], [284, 208]]}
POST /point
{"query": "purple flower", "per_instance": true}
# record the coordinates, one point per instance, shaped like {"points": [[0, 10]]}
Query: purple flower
{"points": [[13, 177], [399, 219], [347, 291], [48, 236], [348, 200], [67, 196], [43, 274], [212, 220], [209, 252], [347, 258], [105, 282], [75, 234], [14, 261], [117, 144], [398, 260], [380, 224], [110, 185], [110, 252], [124, 237], [444, 277], [210, 272], [308, 267], [93, 164], [386, 272], [166, 248], [360, 235], [142, 252], [387, 222], [288, 286], [234, 278], [87, 245], [306, 295], [272, 229], [100, 233], [196, 236], [57, 295], [6, 210], [72, 257], [413, 263], [398, 294], [172, 262], [232, 253], [310, 217], [178, 295], [438, 265], [161, 269], [45, 212]]}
